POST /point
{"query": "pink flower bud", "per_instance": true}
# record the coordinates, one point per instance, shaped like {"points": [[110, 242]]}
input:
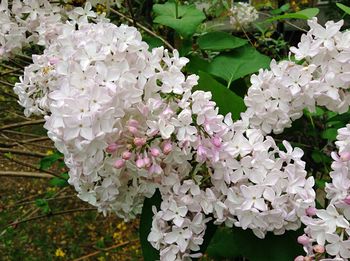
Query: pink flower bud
{"points": [[139, 142], [347, 200], [345, 156], [216, 141], [299, 258], [311, 211], [319, 249], [112, 148], [140, 163], [147, 162], [126, 155], [53, 60], [303, 240], [133, 123], [132, 129], [167, 111], [202, 152], [167, 148], [119, 163], [155, 152]]}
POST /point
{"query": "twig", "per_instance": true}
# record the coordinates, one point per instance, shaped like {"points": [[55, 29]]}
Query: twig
{"points": [[22, 133], [29, 165], [50, 215], [102, 250], [33, 201], [21, 152], [287, 22], [21, 124], [6, 83], [25, 174], [166, 43]]}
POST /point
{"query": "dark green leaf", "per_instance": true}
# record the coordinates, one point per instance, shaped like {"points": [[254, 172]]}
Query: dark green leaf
{"points": [[197, 64], [225, 99], [187, 21], [218, 41], [48, 161], [236, 242], [303, 14], [345, 8], [238, 63], [330, 134], [152, 42], [60, 182], [43, 204], [149, 253]]}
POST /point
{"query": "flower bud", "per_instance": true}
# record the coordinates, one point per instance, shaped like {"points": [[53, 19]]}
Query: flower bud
{"points": [[311, 211], [132, 129], [140, 163], [345, 156], [303, 240], [147, 162], [112, 148], [299, 258], [133, 123], [139, 142], [119, 163], [53, 60], [155, 152], [126, 155], [167, 148], [319, 249], [347, 200], [216, 141]]}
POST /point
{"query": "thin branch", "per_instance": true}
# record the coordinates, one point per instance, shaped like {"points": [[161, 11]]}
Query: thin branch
{"points": [[26, 174], [6, 83], [102, 250], [166, 43], [21, 124], [22, 133], [21, 152], [286, 21], [29, 165], [51, 214], [33, 201]]}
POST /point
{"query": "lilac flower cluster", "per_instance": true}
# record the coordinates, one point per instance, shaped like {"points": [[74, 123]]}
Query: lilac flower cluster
{"points": [[321, 77], [129, 122]]}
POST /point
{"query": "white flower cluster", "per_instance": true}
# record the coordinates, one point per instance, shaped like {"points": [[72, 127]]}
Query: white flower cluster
{"points": [[128, 123], [242, 15], [28, 21], [279, 96], [328, 230]]}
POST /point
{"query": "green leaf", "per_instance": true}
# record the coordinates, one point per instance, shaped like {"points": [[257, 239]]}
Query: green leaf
{"points": [[303, 14], [225, 99], [60, 182], [236, 242], [186, 22], [149, 253], [43, 204], [330, 134], [218, 41], [238, 63], [345, 8], [197, 64], [48, 161], [152, 42]]}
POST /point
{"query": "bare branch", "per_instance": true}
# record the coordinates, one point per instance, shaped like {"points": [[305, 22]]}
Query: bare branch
{"points": [[22, 152], [21, 124], [26, 174]]}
